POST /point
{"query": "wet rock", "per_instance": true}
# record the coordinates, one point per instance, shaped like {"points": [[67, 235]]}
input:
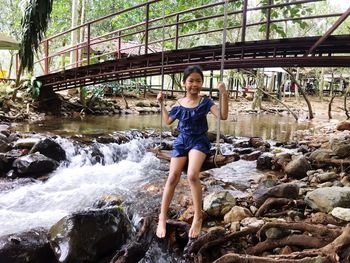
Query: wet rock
{"points": [[280, 161], [327, 198], [344, 125], [34, 165], [106, 139], [89, 236], [218, 203], [298, 167], [31, 246], [4, 146], [26, 142], [264, 161], [287, 190], [257, 142], [50, 149], [252, 156], [244, 150]]}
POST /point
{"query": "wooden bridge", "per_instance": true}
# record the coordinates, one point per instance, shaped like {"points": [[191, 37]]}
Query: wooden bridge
{"points": [[132, 54]]}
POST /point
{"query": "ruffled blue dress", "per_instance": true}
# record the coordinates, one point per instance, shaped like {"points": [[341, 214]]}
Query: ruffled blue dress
{"points": [[193, 127]]}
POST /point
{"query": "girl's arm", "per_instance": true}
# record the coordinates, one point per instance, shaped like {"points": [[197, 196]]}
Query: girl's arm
{"points": [[165, 114], [224, 103]]}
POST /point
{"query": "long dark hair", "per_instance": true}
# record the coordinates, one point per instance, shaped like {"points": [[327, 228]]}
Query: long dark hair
{"points": [[192, 69]]}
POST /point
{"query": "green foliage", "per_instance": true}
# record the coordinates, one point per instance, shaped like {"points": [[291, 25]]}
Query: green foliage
{"points": [[33, 87], [34, 23], [289, 11]]}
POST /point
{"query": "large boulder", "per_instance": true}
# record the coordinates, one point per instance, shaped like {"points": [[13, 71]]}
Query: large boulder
{"points": [[287, 190], [30, 246], [298, 167], [326, 198], [218, 203], [49, 148], [89, 235], [34, 165], [343, 126]]}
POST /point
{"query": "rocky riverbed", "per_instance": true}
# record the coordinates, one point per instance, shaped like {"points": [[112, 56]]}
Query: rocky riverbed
{"points": [[278, 202]]}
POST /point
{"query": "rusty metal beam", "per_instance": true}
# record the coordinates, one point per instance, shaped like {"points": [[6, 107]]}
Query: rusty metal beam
{"points": [[329, 31]]}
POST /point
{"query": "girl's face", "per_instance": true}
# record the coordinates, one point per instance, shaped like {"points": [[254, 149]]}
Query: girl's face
{"points": [[194, 83]]}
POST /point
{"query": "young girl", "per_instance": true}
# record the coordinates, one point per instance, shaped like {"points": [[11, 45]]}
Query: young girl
{"points": [[191, 145]]}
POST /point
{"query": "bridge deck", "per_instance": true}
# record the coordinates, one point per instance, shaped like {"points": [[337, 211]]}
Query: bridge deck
{"points": [[333, 52]]}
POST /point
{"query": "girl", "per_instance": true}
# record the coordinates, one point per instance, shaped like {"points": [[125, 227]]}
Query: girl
{"points": [[191, 145]]}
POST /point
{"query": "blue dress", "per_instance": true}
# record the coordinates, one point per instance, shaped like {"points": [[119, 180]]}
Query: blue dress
{"points": [[193, 127]]}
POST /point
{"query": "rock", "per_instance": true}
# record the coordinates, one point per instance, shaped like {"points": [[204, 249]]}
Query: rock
{"points": [[324, 177], [252, 156], [257, 142], [34, 164], [30, 246], [344, 125], [320, 155], [275, 232], [298, 167], [89, 235], [26, 142], [252, 222], [287, 190], [264, 161], [50, 149], [327, 198], [341, 213], [341, 149], [218, 203], [237, 213]]}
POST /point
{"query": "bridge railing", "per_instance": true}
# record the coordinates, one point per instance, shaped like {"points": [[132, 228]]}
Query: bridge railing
{"points": [[180, 29]]}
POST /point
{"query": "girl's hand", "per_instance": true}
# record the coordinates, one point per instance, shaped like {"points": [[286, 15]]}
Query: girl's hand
{"points": [[160, 97], [221, 87]]}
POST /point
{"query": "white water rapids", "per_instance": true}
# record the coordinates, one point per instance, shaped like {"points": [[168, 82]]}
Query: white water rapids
{"points": [[76, 185]]}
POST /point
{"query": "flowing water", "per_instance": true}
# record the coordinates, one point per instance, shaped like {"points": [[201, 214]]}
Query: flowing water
{"points": [[126, 169]]}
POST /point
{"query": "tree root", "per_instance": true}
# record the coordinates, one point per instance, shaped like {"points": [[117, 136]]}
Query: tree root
{"points": [[278, 202], [237, 258], [137, 249], [316, 230]]}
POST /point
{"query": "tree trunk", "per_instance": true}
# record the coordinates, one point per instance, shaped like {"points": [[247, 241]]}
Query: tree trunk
{"points": [[11, 64], [321, 85], [311, 115]]}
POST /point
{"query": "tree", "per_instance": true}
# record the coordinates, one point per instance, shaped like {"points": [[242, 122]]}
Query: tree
{"points": [[34, 23]]}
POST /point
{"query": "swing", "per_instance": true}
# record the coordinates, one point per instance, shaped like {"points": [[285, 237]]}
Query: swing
{"points": [[218, 159]]}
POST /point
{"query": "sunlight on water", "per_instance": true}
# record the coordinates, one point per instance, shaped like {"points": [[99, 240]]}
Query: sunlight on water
{"points": [[74, 187]]}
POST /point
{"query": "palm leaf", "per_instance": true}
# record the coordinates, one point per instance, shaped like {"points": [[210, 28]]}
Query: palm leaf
{"points": [[34, 23]]}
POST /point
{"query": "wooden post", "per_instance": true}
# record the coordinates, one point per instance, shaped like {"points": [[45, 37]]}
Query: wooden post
{"points": [[244, 20], [46, 59], [146, 28], [177, 32], [268, 21], [88, 43]]}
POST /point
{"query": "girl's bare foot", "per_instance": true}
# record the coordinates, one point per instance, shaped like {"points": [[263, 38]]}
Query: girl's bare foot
{"points": [[195, 229], [161, 228]]}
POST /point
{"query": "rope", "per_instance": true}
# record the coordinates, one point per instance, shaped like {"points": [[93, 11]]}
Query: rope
{"points": [[224, 34], [162, 78]]}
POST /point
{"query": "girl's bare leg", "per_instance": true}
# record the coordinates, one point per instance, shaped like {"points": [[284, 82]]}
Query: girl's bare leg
{"points": [[176, 166], [195, 161]]}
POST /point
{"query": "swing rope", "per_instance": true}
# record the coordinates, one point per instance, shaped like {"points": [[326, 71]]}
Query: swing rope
{"points": [[224, 34], [162, 78]]}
